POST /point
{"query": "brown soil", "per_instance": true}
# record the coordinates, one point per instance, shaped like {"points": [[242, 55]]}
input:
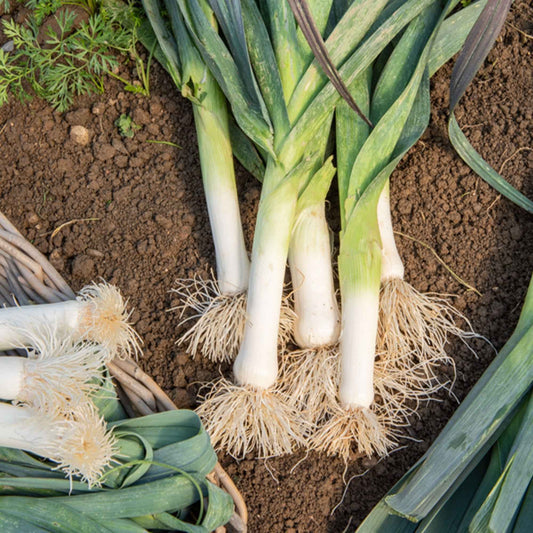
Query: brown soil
{"points": [[132, 212]]}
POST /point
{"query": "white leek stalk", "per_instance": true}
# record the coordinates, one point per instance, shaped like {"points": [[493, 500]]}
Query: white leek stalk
{"points": [[98, 314], [257, 362], [391, 262], [218, 175], [317, 314], [80, 445], [414, 328], [252, 414], [309, 374], [56, 377]]}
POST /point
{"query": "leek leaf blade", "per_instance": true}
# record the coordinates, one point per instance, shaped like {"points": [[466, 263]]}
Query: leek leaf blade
{"points": [[472, 158]]}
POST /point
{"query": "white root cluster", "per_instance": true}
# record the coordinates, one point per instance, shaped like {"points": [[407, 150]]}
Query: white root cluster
{"points": [[57, 374], [80, 443], [104, 319], [243, 419], [219, 319], [310, 378], [418, 324], [371, 430]]}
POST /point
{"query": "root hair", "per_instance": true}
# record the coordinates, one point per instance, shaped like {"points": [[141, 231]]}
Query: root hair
{"points": [[242, 419], [220, 319], [105, 320]]}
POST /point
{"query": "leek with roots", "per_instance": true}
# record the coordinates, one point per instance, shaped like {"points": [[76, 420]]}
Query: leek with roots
{"points": [[57, 375], [80, 444], [243, 416], [281, 130], [317, 322], [221, 302], [98, 314], [357, 417], [410, 322], [398, 376]]}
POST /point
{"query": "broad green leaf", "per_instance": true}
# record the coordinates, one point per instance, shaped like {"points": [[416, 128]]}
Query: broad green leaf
{"points": [[246, 102], [447, 515], [452, 35], [518, 477], [480, 521], [164, 38], [317, 111], [343, 41], [290, 55], [50, 515], [473, 427], [12, 485], [265, 67], [171, 493], [11, 524], [220, 508], [498, 458], [525, 517]]}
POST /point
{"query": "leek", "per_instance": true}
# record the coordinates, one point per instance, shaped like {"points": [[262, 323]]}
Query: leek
{"points": [[80, 444], [230, 410], [220, 302], [56, 376], [98, 314]]}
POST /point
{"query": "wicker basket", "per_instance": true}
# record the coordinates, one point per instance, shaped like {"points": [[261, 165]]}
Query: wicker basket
{"points": [[27, 277]]}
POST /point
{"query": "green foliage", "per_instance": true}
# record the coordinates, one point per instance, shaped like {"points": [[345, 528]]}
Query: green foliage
{"points": [[42, 8], [57, 57], [126, 126]]}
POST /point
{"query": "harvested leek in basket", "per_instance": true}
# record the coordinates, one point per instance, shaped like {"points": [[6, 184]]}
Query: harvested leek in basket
{"points": [[149, 473], [98, 314]]}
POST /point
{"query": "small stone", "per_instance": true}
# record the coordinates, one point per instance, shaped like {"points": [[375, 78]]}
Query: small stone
{"points": [[9, 46], [94, 253], [79, 135]]}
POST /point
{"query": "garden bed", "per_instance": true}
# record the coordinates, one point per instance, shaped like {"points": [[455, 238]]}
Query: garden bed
{"points": [[131, 210]]}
